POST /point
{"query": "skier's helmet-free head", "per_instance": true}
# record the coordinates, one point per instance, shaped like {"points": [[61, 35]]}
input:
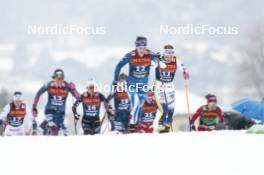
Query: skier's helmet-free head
{"points": [[141, 45], [17, 96], [91, 86], [122, 81], [211, 100], [122, 77], [168, 52], [150, 96], [58, 74]]}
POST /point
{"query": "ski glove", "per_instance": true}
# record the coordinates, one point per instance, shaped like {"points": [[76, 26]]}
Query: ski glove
{"points": [[192, 127], [72, 85], [76, 116], [34, 112], [34, 124], [186, 74]]}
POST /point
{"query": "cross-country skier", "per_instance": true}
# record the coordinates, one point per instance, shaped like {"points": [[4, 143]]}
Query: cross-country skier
{"points": [[165, 87], [209, 114], [120, 120], [148, 113], [14, 115], [139, 61], [57, 90], [91, 102]]}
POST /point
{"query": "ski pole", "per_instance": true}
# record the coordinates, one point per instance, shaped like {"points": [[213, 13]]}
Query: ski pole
{"points": [[106, 128], [102, 121], [74, 120], [75, 127], [186, 87]]}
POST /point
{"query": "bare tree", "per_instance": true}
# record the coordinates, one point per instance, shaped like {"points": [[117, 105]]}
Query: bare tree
{"points": [[251, 70]]}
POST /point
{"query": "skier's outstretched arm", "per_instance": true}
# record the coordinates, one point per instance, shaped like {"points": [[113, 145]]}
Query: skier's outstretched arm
{"points": [[121, 64], [110, 97], [41, 91], [197, 115], [112, 93], [104, 100], [73, 90], [76, 104]]}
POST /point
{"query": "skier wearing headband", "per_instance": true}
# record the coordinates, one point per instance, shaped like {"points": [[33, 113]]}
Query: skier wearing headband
{"points": [[57, 90], [139, 61], [148, 113], [165, 86], [210, 115], [14, 115], [91, 101]]}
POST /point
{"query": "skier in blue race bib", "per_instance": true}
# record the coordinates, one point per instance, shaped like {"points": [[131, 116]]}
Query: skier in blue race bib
{"points": [[148, 113], [57, 90], [121, 113], [91, 101], [139, 61]]}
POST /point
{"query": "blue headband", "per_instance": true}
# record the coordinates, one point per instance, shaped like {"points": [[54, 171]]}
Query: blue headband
{"points": [[141, 43]]}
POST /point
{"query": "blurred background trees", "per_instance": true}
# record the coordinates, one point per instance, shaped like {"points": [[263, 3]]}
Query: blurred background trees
{"points": [[5, 98], [251, 69]]}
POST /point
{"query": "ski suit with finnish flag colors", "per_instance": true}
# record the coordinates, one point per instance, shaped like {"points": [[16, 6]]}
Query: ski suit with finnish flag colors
{"points": [[139, 69]]}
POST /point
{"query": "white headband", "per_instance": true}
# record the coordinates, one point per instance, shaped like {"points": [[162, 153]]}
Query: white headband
{"points": [[168, 52], [17, 97]]}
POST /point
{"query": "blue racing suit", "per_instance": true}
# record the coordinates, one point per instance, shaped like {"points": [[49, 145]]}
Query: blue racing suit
{"points": [[56, 105], [91, 104], [139, 69], [120, 121]]}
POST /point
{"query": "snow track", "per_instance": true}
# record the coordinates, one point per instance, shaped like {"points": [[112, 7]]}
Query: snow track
{"points": [[214, 153]]}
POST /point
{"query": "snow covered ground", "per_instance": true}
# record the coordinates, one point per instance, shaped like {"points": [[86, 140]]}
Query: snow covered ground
{"points": [[214, 153]]}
